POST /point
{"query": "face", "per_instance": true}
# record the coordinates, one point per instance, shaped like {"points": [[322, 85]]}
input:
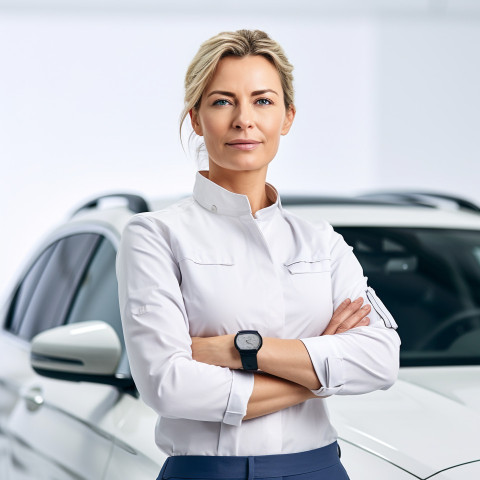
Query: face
{"points": [[242, 115]]}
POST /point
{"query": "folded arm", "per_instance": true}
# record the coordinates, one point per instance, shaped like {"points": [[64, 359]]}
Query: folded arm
{"points": [[287, 374], [284, 358], [352, 356]]}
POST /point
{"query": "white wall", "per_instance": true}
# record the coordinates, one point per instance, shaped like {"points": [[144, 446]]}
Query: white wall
{"points": [[428, 104], [90, 99]]}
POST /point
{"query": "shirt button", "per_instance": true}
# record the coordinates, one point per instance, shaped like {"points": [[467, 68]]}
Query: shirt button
{"points": [[213, 208]]}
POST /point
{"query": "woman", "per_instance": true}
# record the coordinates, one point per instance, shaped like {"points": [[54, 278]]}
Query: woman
{"points": [[237, 314]]}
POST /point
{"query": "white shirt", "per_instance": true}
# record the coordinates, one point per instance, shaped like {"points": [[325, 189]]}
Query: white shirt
{"points": [[206, 266]]}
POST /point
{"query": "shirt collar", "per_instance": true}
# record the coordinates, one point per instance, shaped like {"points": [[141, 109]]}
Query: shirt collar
{"points": [[218, 200]]}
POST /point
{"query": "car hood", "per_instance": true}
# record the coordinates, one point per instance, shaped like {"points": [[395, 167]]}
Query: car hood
{"points": [[413, 427], [459, 383]]}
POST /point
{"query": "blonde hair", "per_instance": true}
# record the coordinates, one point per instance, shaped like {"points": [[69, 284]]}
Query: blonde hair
{"points": [[240, 44]]}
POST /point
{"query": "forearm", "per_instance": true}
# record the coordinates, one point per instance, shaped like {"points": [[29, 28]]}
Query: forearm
{"points": [[284, 358], [288, 359], [271, 394]]}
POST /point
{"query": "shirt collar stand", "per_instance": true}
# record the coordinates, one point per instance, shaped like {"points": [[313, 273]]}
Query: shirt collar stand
{"points": [[218, 200]]}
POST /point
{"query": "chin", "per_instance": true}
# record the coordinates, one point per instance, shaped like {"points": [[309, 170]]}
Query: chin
{"points": [[245, 166], [243, 163]]}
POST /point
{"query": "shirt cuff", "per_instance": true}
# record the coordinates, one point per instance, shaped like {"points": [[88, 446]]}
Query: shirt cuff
{"points": [[242, 387], [327, 363]]}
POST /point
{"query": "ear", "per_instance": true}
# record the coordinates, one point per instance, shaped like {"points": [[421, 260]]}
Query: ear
{"points": [[195, 122], [289, 116]]}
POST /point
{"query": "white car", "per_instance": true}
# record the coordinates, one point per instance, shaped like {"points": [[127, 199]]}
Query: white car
{"points": [[69, 408]]}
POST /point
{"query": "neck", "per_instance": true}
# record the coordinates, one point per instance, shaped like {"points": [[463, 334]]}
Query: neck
{"points": [[250, 183]]}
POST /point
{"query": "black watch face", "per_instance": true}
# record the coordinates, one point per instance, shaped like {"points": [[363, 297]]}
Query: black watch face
{"points": [[248, 341]]}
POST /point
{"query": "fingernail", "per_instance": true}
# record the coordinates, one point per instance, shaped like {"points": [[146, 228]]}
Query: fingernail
{"points": [[365, 307], [347, 301]]}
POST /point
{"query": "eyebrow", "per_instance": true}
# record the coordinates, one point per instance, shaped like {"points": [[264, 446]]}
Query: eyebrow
{"points": [[230, 94]]}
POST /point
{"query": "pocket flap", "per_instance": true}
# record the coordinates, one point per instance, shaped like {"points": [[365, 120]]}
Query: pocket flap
{"points": [[209, 260], [309, 266]]}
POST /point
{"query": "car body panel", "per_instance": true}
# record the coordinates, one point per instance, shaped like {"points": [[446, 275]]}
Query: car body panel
{"points": [[409, 426], [363, 465], [132, 423], [468, 471], [57, 438], [460, 384], [135, 454]]}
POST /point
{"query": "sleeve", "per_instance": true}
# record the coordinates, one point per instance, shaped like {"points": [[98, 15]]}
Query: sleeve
{"points": [[157, 336], [362, 359]]}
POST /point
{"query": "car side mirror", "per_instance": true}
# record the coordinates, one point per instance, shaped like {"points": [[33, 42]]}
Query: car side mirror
{"points": [[85, 351]]}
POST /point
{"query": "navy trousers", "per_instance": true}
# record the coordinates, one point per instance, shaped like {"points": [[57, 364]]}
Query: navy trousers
{"points": [[319, 464]]}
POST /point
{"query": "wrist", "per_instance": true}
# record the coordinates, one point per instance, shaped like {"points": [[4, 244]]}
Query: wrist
{"points": [[248, 343], [264, 354], [234, 362]]}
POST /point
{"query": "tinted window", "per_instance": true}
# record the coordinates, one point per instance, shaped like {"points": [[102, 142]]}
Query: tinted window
{"points": [[429, 279], [25, 291], [46, 293], [97, 297]]}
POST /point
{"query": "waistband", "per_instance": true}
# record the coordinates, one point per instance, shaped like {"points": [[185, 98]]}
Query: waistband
{"points": [[260, 466]]}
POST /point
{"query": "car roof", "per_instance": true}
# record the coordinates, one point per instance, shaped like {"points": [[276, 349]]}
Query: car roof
{"points": [[387, 216], [367, 211]]}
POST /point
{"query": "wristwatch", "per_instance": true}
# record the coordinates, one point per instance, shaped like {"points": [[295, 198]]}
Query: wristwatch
{"points": [[248, 343]]}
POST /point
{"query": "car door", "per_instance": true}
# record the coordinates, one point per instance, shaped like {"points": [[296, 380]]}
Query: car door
{"points": [[53, 428], [127, 420], [14, 366]]}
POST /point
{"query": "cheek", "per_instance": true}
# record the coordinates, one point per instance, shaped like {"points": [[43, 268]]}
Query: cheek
{"points": [[273, 129], [213, 130], [273, 126]]}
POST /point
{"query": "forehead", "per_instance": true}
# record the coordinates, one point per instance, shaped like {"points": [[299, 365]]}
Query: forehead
{"points": [[253, 72]]}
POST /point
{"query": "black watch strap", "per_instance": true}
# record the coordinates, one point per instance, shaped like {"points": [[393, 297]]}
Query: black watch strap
{"points": [[249, 361]]}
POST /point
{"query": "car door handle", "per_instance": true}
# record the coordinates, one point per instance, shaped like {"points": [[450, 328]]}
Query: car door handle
{"points": [[34, 399]]}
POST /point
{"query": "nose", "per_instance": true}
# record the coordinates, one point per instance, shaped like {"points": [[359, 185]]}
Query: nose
{"points": [[243, 118]]}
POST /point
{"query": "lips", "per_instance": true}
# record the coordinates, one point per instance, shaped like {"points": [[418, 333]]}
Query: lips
{"points": [[243, 144]]}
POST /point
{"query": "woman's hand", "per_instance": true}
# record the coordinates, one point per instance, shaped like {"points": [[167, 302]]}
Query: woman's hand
{"points": [[348, 315], [218, 350]]}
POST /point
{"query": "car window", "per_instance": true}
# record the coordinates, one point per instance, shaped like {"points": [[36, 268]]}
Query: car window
{"points": [[25, 291], [97, 296], [44, 296], [429, 279]]}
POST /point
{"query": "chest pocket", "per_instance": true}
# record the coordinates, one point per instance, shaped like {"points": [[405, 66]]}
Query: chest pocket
{"points": [[309, 294], [308, 266], [206, 275], [210, 288]]}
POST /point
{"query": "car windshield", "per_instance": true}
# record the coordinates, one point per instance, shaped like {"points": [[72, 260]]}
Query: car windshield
{"points": [[429, 279]]}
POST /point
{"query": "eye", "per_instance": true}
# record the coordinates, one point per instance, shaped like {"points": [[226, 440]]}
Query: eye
{"points": [[221, 102], [264, 101]]}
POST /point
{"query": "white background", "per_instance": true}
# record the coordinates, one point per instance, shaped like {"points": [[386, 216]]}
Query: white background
{"points": [[387, 95]]}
